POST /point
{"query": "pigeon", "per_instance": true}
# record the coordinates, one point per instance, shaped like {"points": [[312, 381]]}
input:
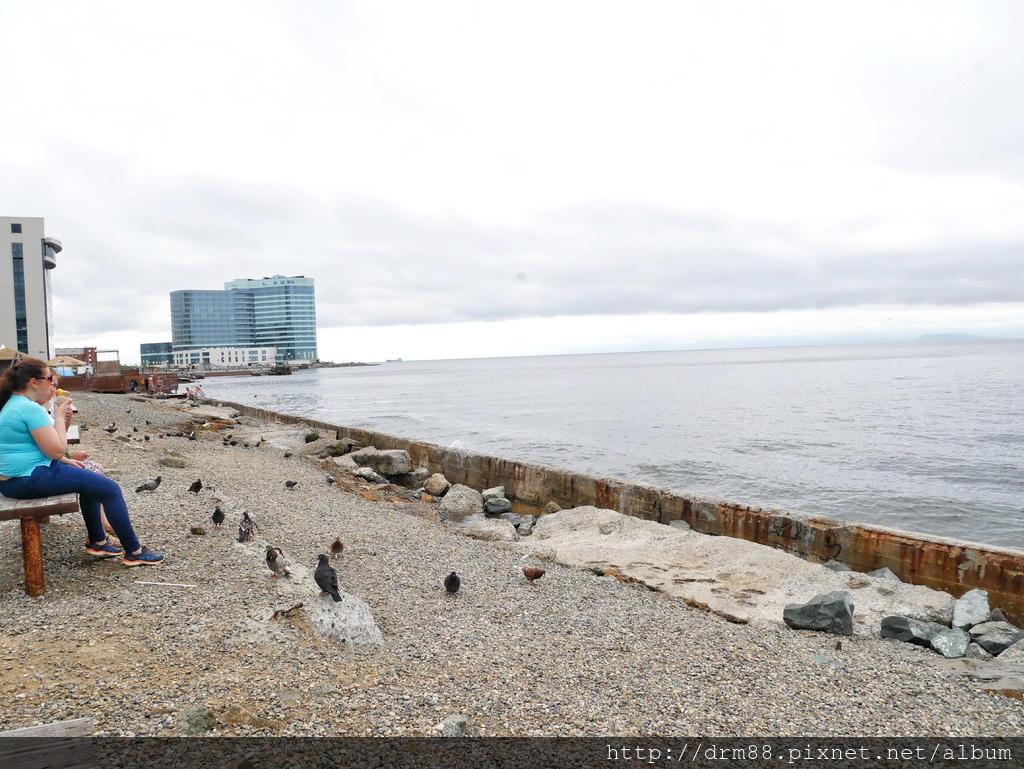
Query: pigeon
{"points": [[287, 454], [218, 516], [452, 583], [149, 485], [246, 528], [192, 435], [331, 480], [135, 429], [336, 547], [196, 487], [111, 428], [277, 562], [290, 484], [326, 577], [531, 573]]}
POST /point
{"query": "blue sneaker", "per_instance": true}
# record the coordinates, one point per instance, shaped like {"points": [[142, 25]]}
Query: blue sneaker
{"points": [[106, 550], [145, 558]]}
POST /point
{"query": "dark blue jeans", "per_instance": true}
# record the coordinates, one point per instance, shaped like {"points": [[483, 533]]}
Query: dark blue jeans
{"points": [[93, 490]]}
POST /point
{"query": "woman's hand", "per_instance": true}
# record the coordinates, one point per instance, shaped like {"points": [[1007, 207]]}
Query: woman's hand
{"points": [[74, 462], [81, 456]]}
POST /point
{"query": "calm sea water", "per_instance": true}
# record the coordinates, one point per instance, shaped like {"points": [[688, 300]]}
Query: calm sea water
{"points": [[925, 437]]}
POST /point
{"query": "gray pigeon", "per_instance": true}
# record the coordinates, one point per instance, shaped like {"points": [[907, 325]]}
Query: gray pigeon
{"points": [[326, 577], [452, 583], [277, 562], [218, 516], [196, 487], [290, 484], [150, 485], [246, 528]]}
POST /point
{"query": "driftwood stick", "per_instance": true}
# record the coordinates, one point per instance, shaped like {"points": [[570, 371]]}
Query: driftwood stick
{"points": [[285, 612]]}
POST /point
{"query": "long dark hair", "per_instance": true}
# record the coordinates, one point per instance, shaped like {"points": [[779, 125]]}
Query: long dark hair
{"points": [[16, 377]]}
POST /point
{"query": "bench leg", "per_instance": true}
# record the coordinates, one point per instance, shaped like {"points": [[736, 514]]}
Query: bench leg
{"points": [[32, 554]]}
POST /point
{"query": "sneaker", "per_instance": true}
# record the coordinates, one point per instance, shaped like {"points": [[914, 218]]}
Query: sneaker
{"points": [[106, 550], [146, 558]]}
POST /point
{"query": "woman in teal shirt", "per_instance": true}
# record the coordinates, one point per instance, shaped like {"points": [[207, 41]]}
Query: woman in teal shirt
{"points": [[31, 449]]}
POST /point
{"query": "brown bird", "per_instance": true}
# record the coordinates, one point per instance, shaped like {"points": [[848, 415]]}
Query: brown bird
{"points": [[336, 547], [531, 573], [196, 487], [277, 563]]}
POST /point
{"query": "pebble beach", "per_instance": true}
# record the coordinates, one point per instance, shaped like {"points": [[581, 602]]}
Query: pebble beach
{"points": [[577, 654]]}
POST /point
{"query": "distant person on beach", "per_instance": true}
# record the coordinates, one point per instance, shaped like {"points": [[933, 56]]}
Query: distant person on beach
{"points": [[133, 385], [149, 384], [31, 449]]}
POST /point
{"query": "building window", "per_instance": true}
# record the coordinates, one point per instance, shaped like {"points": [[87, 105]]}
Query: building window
{"points": [[15, 228]]}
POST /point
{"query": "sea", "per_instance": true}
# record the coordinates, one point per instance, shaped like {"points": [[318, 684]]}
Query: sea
{"points": [[927, 437]]}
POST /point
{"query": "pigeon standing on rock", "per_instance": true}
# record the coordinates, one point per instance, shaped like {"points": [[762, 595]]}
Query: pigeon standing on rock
{"points": [[150, 485], [246, 528], [336, 547], [326, 577], [531, 573], [277, 562], [452, 583], [196, 487], [218, 516]]}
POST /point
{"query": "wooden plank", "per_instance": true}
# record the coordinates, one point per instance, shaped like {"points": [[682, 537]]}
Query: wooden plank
{"points": [[73, 436], [13, 509], [76, 727]]}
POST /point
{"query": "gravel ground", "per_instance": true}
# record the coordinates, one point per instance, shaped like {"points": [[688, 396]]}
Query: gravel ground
{"points": [[577, 655]]}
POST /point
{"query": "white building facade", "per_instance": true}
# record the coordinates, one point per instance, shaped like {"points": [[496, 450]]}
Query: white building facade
{"points": [[225, 357], [27, 257]]}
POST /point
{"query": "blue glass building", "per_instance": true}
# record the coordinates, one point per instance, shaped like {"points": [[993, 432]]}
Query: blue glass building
{"points": [[278, 311]]}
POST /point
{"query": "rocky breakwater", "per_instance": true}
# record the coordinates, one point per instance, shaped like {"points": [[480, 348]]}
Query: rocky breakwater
{"points": [[740, 581]]}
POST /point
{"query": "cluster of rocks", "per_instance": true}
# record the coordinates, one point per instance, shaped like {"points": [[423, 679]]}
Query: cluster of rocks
{"points": [[973, 631]]}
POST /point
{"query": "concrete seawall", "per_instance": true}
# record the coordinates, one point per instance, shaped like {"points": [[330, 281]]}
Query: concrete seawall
{"points": [[943, 564]]}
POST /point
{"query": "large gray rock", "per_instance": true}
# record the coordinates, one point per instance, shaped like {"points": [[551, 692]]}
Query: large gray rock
{"points": [[348, 621], [498, 492], [388, 462], [996, 637], [828, 613], [951, 642], [436, 485], [971, 609], [885, 573], [196, 720], [525, 527], [454, 726], [413, 480], [497, 506], [460, 502], [911, 630], [369, 474], [1014, 654], [490, 530]]}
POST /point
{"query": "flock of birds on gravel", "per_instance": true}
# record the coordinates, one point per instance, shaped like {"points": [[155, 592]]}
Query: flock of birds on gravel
{"points": [[325, 576]]}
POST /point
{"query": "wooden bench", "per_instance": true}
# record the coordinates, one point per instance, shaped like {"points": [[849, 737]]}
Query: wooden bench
{"points": [[73, 435], [31, 513]]}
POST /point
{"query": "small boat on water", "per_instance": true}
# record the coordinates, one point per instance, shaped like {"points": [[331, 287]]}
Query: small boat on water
{"points": [[279, 370]]}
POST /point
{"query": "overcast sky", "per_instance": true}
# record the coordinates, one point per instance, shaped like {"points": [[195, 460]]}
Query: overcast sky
{"points": [[467, 179]]}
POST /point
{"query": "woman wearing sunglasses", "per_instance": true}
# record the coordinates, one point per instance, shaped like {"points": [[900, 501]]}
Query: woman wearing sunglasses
{"points": [[31, 448]]}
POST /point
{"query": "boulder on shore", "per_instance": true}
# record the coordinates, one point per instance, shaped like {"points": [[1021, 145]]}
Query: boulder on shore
{"points": [[827, 613], [460, 502]]}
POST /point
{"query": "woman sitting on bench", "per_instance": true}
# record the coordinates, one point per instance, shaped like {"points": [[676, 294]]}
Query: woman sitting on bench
{"points": [[31, 447]]}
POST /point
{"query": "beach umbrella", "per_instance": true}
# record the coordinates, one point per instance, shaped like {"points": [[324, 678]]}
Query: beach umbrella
{"points": [[66, 361], [9, 353]]}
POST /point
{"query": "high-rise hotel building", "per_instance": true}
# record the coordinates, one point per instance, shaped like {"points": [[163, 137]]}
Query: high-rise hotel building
{"points": [[278, 311], [26, 299]]}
